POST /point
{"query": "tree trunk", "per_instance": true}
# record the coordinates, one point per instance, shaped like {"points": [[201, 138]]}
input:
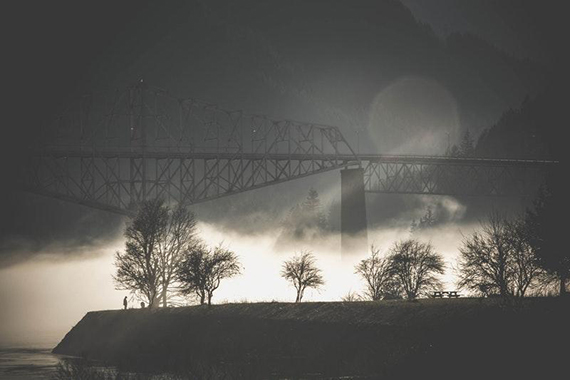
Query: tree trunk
{"points": [[562, 286], [153, 301], [164, 298], [202, 299], [210, 298]]}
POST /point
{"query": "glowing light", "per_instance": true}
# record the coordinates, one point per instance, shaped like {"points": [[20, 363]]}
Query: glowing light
{"points": [[413, 115]]}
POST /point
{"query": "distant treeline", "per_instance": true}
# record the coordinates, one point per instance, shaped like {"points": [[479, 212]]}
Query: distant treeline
{"points": [[530, 131]]}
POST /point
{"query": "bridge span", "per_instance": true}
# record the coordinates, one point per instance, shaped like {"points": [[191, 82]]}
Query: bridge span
{"points": [[113, 151]]}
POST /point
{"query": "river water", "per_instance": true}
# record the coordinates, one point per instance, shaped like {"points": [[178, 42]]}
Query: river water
{"points": [[29, 357]]}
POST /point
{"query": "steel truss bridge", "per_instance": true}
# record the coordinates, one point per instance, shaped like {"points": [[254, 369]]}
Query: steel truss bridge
{"points": [[112, 149]]}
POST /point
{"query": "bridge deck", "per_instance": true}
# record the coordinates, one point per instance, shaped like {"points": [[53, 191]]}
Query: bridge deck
{"points": [[184, 153]]}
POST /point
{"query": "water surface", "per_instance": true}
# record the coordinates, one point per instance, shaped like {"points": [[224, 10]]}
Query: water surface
{"points": [[28, 356]]}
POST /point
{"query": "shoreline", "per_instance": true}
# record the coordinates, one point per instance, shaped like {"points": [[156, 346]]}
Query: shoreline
{"points": [[331, 338]]}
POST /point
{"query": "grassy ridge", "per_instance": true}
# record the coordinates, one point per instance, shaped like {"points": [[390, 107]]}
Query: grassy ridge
{"points": [[390, 338]]}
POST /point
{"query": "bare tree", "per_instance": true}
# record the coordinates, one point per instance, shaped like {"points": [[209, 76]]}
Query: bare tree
{"points": [[526, 270], [303, 273], [138, 267], [180, 234], [499, 259], [351, 297], [485, 260], [416, 265], [155, 238], [203, 269], [376, 272]]}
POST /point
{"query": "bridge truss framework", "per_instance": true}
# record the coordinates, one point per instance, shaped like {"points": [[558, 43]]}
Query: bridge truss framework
{"points": [[114, 149]]}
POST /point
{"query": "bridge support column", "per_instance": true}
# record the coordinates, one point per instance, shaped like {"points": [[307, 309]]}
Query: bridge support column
{"points": [[353, 226]]}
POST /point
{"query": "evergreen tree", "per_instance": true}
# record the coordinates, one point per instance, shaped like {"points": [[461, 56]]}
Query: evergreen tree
{"points": [[427, 221], [453, 151], [306, 220], [313, 210], [547, 231], [467, 146]]}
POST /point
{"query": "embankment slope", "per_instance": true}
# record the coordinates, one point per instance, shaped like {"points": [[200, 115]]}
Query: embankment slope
{"points": [[385, 338]]}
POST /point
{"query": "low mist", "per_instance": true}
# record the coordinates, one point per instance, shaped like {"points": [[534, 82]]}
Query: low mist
{"points": [[52, 293]]}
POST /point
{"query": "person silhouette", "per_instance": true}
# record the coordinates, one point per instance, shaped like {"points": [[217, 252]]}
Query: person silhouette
{"points": [[142, 305], [125, 302]]}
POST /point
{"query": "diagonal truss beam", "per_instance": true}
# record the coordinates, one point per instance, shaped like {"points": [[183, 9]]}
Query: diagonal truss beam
{"points": [[453, 176], [113, 149]]}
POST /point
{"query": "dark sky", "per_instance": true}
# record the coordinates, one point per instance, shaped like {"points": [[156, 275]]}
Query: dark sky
{"points": [[321, 61]]}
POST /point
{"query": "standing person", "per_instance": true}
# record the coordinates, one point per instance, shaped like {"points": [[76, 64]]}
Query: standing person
{"points": [[125, 302]]}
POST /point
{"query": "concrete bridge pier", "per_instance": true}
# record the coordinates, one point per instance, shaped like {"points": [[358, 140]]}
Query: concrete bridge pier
{"points": [[353, 226]]}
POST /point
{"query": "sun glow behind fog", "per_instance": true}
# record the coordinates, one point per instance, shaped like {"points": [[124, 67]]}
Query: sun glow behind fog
{"points": [[413, 115], [51, 294], [262, 261]]}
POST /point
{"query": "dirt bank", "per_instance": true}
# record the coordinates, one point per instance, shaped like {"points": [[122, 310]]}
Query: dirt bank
{"points": [[389, 338]]}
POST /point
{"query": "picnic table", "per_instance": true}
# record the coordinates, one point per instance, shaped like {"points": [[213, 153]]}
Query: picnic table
{"points": [[447, 293]]}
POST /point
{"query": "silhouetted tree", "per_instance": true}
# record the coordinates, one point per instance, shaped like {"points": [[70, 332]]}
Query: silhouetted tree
{"points": [[467, 146], [426, 221], [351, 297], [416, 266], [180, 234], [203, 269], [303, 273], [547, 233], [484, 264], [306, 220], [313, 210], [526, 271], [523, 132], [453, 151], [376, 272], [498, 259], [155, 237]]}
